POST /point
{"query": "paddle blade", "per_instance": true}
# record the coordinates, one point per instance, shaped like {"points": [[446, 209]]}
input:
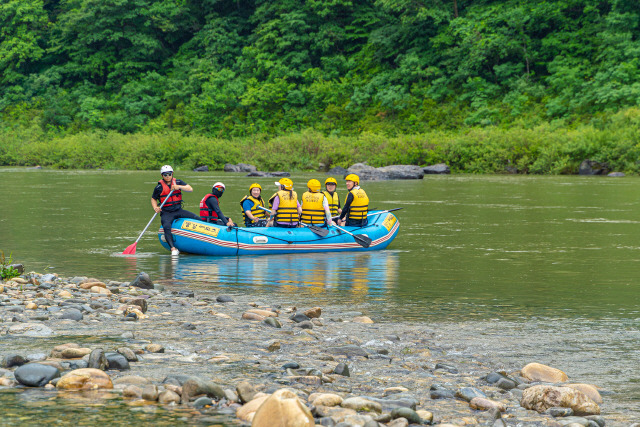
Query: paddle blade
{"points": [[362, 240], [131, 249], [322, 232]]}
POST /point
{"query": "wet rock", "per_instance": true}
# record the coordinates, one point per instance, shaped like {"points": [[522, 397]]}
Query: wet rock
{"points": [[189, 326], [342, 369], [337, 171], [154, 348], [313, 313], [483, 404], [197, 386], [445, 367], [11, 360], [440, 168], [299, 317], [85, 379], [361, 404], [246, 391], [142, 281], [204, 168], [128, 354], [116, 361], [18, 267], [273, 346], [407, 413], [36, 374], [325, 399], [363, 319], [168, 397], [252, 316], [494, 377], [202, 402], [36, 357], [560, 412], [439, 392], [427, 416], [240, 167], [592, 167], [402, 172], [176, 379], [30, 330], [348, 350], [590, 390], [72, 314], [596, 419], [224, 298], [291, 365], [572, 422], [132, 391], [150, 392], [305, 325], [543, 373], [247, 411], [75, 352], [273, 322], [468, 393], [616, 174], [542, 397], [132, 380], [261, 174], [97, 360], [283, 408], [505, 384], [389, 404]]}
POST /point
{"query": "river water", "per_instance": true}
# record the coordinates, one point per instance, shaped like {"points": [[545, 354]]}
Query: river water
{"points": [[545, 267]]}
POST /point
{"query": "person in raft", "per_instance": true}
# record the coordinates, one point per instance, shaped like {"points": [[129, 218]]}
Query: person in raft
{"points": [[315, 207], [210, 207], [357, 204], [250, 204], [172, 209], [330, 185], [286, 208]]}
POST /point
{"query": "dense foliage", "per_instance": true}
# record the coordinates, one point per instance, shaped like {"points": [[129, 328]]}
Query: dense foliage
{"points": [[240, 68]]}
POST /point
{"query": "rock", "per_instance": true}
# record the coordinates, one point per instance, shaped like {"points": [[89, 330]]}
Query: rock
{"points": [[203, 402], [36, 357], [542, 373], [439, 392], [394, 390], [65, 294], [31, 306], [402, 172], [361, 404], [299, 317], [616, 174], [440, 168], [224, 298], [196, 386], [140, 302], [273, 322], [542, 397], [57, 350], [398, 402], [252, 316], [132, 391], [445, 367], [263, 313], [128, 354], [132, 380], [168, 397], [592, 167], [483, 404], [75, 353], [246, 392], [596, 419], [201, 169], [116, 361], [18, 267], [11, 360], [337, 171], [468, 393], [154, 348], [325, 399], [142, 281], [362, 319], [560, 412], [248, 410], [72, 314], [399, 422], [229, 167], [85, 379], [590, 390], [313, 313], [269, 174], [342, 369], [348, 350], [283, 408], [36, 374], [407, 413], [572, 422], [185, 293], [305, 325], [427, 416], [506, 384], [150, 392], [273, 346], [240, 167], [89, 285], [494, 377]]}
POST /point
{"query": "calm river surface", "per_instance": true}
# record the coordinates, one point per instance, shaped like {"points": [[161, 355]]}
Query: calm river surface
{"points": [[537, 268]]}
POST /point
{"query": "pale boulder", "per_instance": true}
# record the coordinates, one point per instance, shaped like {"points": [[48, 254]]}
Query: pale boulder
{"points": [[248, 410], [590, 390], [252, 316], [325, 399], [75, 352], [263, 313], [89, 285], [85, 379], [542, 397], [543, 373], [283, 409], [362, 319], [483, 404]]}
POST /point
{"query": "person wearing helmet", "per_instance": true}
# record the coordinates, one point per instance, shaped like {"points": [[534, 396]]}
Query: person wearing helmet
{"points": [[315, 207], [330, 185], [253, 215], [286, 208], [354, 212], [210, 207], [172, 208]]}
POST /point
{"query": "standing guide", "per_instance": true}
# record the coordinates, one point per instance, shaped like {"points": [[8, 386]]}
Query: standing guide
{"points": [[357, 204], [210, 206], [253, 215], [172, 209]]}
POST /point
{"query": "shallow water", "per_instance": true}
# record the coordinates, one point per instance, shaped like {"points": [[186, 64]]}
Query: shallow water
{"points": [[504, 251]]}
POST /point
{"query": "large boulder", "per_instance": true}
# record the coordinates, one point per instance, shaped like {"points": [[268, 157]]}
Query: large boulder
{"points": [[283, 409], [85, 379], [440, 168], [261, 174], [36, 374], [204, 168], [195, 386], [240, 167], [403, 171], [543, 373], [142, 281], [366, 172], [542, 397], [592, 167], [337, 171]]}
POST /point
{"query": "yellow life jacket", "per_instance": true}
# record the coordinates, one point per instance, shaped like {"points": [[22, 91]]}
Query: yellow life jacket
{"points": [[271, 199], [255, 210], [288, 207], [312, 210], [359, 206], [334, 202]]}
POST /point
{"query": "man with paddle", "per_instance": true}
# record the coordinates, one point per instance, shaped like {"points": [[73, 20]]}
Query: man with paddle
{"points": [[169, 193], [356, 206]]}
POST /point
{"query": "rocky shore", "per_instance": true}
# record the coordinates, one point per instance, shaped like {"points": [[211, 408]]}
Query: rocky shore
{"points": [[264, 363]]}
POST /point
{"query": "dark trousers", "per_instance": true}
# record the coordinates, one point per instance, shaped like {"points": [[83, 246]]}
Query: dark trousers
{"points": [[167, 218], [260, 223], [357, 223]]}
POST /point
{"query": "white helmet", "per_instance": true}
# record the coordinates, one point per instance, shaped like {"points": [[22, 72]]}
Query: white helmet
{"points": [[219, 185], [166, 168]]}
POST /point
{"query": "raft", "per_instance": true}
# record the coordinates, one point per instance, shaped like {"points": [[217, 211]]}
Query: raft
{"points": [[202, 238]]}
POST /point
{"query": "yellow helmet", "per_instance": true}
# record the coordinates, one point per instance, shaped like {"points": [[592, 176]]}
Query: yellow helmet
{"points": [[314, 185], [353, 177], [330, 180], [288, 184], [254, 185]]}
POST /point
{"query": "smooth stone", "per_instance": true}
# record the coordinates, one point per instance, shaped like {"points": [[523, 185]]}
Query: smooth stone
{"points": [[468, 393], [572, 421], [542, 397], [361, 404], [342, 369], [273, 346], [543, 373], [305, 325], [248, 410], [185, 293], [196, 386], [128, 354], [36, 357], [407, 413], [335, 412], [363, 319], [397, 402], [11, 360], [313, 313], [72, 314], [204, 168], [224, 298], [325, 399], [75, 353], [168, 397], [494, 377], [439, 168], [283, 408], [154, 348], [348, 350], [252, 316], [441, 394], [484, 404], [203, 402], [36, 374], [427, 416], [142, 281], [132, 380], [150, 392], [132, 391], [246, 391], [273, 322], [560, 412], [116, 361], [448, 368], [599, 420], [399, 422], [299, 317], [590, 390], [85, 379], [176, 379], [36, 330], [291, 365], [505, 384]]}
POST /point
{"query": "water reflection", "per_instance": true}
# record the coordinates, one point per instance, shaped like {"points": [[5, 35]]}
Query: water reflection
{"points": [[355, 274]]}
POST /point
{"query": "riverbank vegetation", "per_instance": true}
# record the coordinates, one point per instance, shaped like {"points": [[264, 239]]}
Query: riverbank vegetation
{"points": [[485, 86]]}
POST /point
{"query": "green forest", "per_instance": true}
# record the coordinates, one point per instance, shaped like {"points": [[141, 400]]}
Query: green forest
{"points": [[483, 85]]}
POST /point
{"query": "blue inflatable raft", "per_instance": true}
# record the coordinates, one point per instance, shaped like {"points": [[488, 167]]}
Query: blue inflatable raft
{"points": [[201, 238]]}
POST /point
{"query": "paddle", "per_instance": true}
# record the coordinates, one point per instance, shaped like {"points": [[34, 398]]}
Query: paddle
{"points": [[131, 249], [322, 232], [360, 239]]}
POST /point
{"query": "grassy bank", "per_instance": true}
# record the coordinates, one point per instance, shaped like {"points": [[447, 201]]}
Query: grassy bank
{"points": [[544, 149]]}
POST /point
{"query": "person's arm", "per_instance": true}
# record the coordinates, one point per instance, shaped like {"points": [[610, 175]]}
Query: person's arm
{"points": [[274, 208], [154, 198], [246, 207], [182, 186], [347, 206], [327, 211], [212, 203], [299, 208]]}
